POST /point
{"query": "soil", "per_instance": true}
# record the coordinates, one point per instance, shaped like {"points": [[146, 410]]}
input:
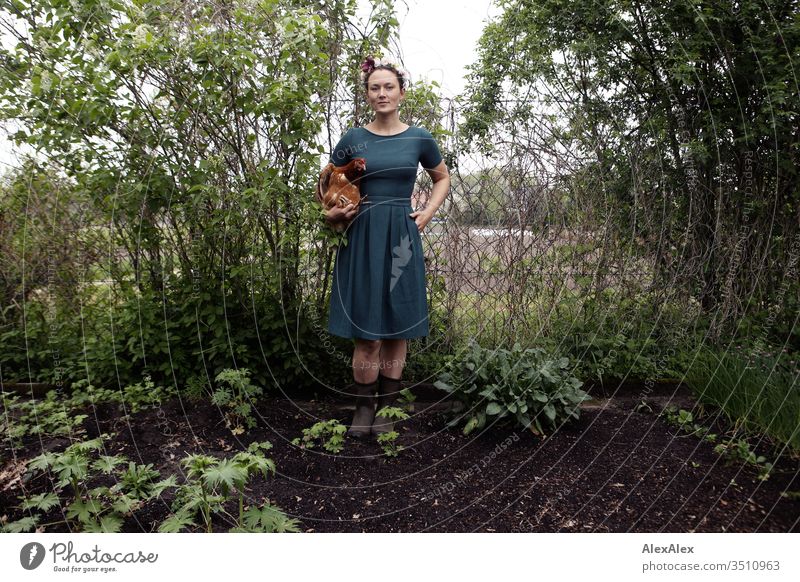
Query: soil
{"points": [[616, 469]]}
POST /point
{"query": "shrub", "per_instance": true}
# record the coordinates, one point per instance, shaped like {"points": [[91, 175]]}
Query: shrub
{"points": [[530, 386]]}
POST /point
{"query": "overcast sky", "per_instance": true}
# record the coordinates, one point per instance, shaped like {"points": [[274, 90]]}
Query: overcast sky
{"points": [[437, 41]]}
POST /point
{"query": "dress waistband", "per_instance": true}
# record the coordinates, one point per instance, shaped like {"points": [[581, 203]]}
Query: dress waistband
{"points": [[392, 201]]}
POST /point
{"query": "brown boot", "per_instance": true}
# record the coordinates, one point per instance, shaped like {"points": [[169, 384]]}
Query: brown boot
{"points": [[365, 409], [388, 393]]}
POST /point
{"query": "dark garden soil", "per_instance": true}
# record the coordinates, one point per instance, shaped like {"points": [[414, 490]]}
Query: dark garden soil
{"points": [[617, 469]]}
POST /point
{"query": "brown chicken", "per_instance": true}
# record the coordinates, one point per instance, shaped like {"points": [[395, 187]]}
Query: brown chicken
{"points": [[339, 186]]}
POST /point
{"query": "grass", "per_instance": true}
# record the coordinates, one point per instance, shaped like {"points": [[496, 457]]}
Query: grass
{"points": [[760, 395]]}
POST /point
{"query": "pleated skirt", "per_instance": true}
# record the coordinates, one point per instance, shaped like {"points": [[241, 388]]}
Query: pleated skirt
{"points": [[378, 288]]}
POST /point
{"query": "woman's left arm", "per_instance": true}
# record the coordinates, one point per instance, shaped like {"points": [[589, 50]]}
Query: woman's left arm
{"points": [[440, 176]]}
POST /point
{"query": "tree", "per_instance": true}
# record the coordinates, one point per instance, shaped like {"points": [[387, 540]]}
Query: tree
{"points": [[686, 114]]}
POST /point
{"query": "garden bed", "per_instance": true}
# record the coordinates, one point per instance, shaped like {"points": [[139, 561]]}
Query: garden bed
{"points": [[617, 469]]}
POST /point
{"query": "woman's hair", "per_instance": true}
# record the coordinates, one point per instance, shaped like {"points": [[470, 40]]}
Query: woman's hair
{"points": [[371, 64]]}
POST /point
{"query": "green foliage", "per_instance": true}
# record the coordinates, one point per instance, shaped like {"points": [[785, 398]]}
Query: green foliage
{"points": [[684, 420], [735, 450], [96, 509], [329, 432], [392, 413], [131, 399], [739, 451], [211, 483], [177, 244], [235, 394], [614, 337], [407, 399], [60, 415], [632, 89], [267, 518], [426, 362], [48, 417], [756, 392], [388, 442], [533, 388], [197, 388]]}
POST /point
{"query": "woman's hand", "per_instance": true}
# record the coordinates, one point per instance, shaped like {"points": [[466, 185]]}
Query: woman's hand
{"points": [[341, 214], [422, 218]]}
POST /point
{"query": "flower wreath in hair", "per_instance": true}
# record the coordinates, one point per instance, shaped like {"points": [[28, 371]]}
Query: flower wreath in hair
{"points": [[370, 63]]}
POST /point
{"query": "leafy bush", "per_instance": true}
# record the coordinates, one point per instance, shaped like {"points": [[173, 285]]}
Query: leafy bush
{"points": [[534, 388]]}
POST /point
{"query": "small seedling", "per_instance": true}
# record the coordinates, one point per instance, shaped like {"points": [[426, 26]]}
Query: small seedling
{"points": [[329, 432], [388, 440], [740, 451], [235, 393]]}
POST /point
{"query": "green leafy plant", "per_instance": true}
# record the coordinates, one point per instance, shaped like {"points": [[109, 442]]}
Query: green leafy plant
{"points": [[739, 451], [235, 394], [44, 417], [407, 399], [60, 415], [388, 440], [97, 509], [685, 420], [266, 518], [530, 386], [211, 483], [131, 399], [735, 450], [330, 433], [196, 388]]}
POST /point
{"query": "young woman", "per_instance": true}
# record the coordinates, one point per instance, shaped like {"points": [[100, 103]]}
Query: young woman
{"points": [[378, 291]]}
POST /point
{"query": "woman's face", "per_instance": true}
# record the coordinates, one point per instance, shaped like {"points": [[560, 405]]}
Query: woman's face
{"points": [[383, 91]]}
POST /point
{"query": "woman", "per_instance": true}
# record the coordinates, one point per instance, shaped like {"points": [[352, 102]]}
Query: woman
{"points": [[378, 291]]}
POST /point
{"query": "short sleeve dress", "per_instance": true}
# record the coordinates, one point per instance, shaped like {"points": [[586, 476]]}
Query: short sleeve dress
{"points": [[378, 288]]}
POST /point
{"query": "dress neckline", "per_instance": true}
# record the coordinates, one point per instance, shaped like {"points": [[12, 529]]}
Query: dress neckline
{"points": [[394, 134]]}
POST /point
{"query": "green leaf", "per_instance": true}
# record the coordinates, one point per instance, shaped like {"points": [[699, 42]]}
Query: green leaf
{"points": [[493, 408], [176, 523], [23, 525], [226, 475], [470, 426], [106, 463], [42, 502], [83, 510], [107, 524]]}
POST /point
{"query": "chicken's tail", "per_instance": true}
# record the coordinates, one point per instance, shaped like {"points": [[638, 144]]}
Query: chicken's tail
{"points": [[324, 182]]}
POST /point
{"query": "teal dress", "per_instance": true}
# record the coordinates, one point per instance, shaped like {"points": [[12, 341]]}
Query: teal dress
{"points": [[378, 289]]}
